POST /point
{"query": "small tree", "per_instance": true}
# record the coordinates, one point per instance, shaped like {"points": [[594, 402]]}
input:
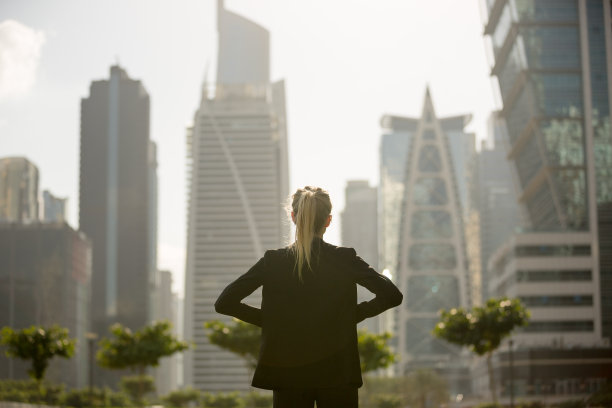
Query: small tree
{"points": [[244, 339], [240, 338], [136, 386], [139, 350], [39, 345], [374, 350], [425, 388], [482, 329]]}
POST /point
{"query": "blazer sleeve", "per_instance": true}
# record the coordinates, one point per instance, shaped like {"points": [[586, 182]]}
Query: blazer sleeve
{"points": [[387, 295], [230, 300]]}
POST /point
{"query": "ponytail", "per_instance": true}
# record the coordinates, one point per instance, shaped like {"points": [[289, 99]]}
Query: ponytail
{"points": [[311, 206]]}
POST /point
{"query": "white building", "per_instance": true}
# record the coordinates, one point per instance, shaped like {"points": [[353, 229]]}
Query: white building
{"points": [[359, 230], [238, 178], [166, 308]]}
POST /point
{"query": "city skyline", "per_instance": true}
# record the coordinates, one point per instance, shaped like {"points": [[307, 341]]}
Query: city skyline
{"points": [[322, 69]]}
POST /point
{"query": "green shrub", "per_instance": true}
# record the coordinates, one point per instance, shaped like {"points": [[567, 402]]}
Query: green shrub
{"points": [[30, 391], [489, 405], [531, 404], [571, 404], [387, 401], [258, 400], [181, 398], [230, 400]]}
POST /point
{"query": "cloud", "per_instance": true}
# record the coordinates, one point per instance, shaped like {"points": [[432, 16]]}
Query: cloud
{"points": [[20, 48]]}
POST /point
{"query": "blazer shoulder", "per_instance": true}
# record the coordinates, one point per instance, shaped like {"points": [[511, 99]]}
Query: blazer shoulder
{"points": [[343, 252], [277, 254]]}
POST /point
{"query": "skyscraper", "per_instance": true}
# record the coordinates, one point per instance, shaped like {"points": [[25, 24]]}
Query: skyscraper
{"points": [[359, 220], [552, 62], [359, 223], [18, 190], [118, 200], [497, 202], [432, 260], [238, 178]]}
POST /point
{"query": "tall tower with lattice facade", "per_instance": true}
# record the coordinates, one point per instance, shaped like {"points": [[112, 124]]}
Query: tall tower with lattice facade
{"points": [[432, 260]]}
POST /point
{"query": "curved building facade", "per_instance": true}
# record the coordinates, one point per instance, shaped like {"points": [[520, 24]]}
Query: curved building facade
{"points": [[238, 182]]}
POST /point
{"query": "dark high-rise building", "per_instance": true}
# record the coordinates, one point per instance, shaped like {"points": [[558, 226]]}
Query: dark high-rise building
{"points": [[45, 272], [118, 200]]}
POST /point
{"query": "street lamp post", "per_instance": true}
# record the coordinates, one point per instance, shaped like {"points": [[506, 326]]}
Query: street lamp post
{"points": [[91, 338], [511, 375]]}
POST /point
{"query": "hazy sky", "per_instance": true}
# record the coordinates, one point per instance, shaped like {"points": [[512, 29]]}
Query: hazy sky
{"points": [[345, 62]]}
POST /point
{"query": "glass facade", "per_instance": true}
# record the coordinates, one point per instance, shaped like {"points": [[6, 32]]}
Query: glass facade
{"points": [[536, 44]]}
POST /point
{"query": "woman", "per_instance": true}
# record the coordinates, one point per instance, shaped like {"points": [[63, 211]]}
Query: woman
{"points": [[309, 311]]}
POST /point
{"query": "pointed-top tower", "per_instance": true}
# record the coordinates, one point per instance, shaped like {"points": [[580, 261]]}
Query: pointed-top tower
{"points": [[432, 265]]}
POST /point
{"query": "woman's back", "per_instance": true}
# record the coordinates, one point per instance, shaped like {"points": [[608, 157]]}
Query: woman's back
{"points": [[309, 311]]}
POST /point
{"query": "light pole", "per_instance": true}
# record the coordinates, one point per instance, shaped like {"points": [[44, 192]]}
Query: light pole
{"points": [[511, 374], [91, 338]]}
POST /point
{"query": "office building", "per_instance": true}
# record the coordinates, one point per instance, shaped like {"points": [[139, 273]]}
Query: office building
{"points": [[359, 227], [45, 280], [166, 374], [432, 260], [238, 184], [18, 190], [497, 202], [358, 220], [118, 203], [552, 60], [54, 208]]}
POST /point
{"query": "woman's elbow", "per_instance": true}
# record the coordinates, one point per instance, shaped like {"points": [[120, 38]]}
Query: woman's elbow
{"points": [[221, 306], [396, 299]]}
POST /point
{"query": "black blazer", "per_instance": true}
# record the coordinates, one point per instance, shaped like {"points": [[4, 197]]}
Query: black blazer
{"points": [[309, 335]]}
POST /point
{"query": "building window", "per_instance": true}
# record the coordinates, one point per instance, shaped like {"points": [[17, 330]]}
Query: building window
{"points": [[552, 250], [431, 224], [432, 257], [550, 301], [430, 191], [432, 293], [554, 276], [560, 326], [429, 134], [429, 159]]}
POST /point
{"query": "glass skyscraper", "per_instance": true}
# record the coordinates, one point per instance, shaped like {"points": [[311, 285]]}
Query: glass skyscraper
{"points": [[431, 264], [553, 62]]}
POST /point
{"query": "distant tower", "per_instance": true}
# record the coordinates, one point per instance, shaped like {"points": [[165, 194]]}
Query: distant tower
{"points": [[432, 261], [118, 208], [18, 190], [238, 177], [54, 208], [359, 231]]}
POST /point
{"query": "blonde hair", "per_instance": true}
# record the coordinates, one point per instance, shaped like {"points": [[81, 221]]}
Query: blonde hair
{"points": [[311, 206]]}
